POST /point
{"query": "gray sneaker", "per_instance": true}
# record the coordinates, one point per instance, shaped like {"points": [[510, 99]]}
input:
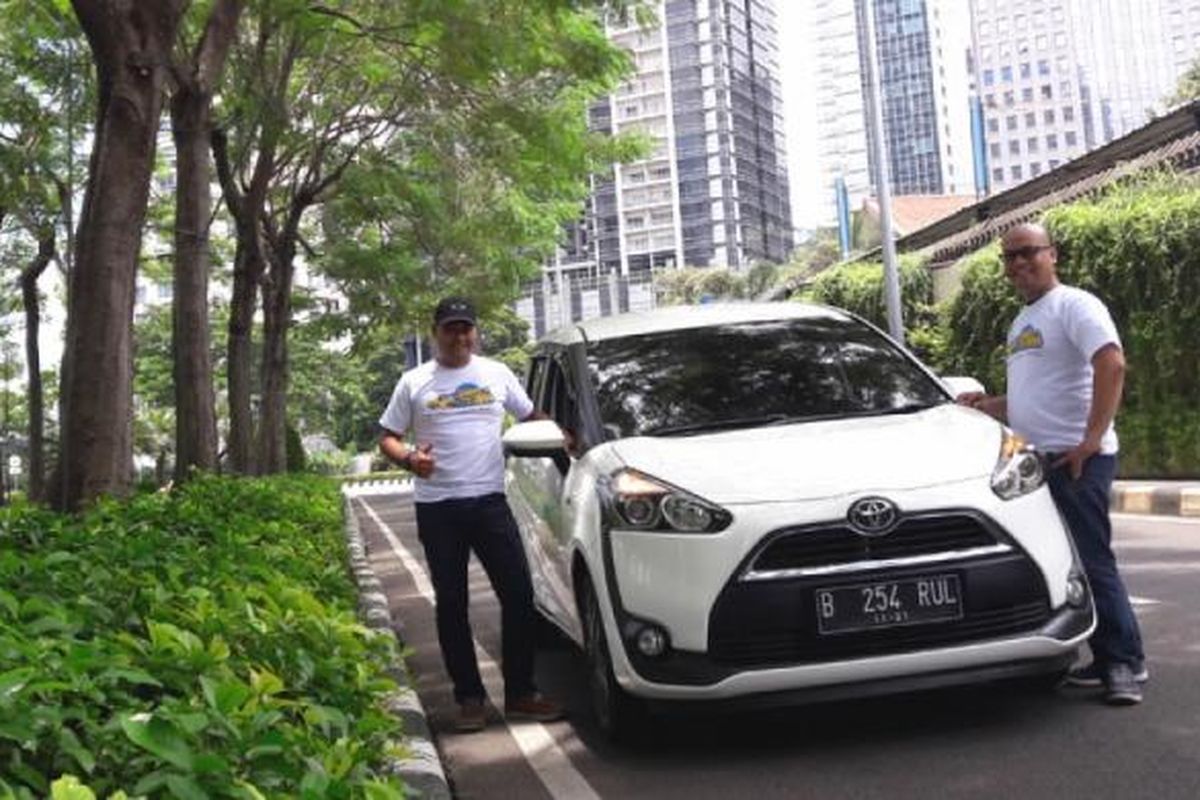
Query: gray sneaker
{"points": [[1092, 676], [1121, 687]]}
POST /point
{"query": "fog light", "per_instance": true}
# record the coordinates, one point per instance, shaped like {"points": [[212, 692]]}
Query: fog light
{"points": [[1076, 591], [651, 641]]}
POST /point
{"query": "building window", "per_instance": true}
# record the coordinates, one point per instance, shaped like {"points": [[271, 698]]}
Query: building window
{"points": [[1030, 119], [1047, 91], [1035, 169], [1070, 138], [1052, 141], [994, 149], [1026, 70], [1009, 99], [1027, 94], [1017, 173], [1043, 67], [998, 175], [989, 77], [1010, 122], [993, 125], [1048, 116], [1032, 144], [1068, 113], [1006, 74], [1054, 162], [1014, 147]]}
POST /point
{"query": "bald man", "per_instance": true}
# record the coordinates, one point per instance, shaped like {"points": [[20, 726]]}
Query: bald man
{"points": [[1066, 370]]}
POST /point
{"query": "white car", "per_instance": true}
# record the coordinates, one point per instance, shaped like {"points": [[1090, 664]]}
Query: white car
{"points": [[775, 502]]}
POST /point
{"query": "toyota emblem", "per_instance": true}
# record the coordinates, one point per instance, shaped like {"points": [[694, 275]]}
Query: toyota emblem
{"points": [[873, 516]]}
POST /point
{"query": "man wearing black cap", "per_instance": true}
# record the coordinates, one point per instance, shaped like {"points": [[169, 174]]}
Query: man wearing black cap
{"points": [[454, 406]]}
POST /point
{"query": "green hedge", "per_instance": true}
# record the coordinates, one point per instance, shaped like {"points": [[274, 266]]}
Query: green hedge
{"points": [[859, 288], [1138, 249], [197, 644]]}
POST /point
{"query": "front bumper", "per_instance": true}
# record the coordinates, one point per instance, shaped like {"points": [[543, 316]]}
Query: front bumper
{"points": [[759, 636]]}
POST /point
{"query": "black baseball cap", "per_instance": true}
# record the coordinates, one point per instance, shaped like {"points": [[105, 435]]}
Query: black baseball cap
{"points": [[454, 309]]}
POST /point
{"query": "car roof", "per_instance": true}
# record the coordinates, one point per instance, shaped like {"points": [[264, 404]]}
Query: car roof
{"points": [[669, 318]]}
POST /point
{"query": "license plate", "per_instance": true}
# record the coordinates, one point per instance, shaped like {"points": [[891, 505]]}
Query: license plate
{"points": [[887, 604]]}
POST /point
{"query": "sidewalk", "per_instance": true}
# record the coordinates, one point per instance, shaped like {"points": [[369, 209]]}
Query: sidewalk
{"points": [[1170, 498]]}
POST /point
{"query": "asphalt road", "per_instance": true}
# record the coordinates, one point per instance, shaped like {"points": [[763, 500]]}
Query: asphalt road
{"points": [[979, 742]]}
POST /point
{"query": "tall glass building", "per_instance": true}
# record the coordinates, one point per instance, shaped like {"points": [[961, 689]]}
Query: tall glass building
{"points": [[1061, 77], [923, 49], [714, 189]]}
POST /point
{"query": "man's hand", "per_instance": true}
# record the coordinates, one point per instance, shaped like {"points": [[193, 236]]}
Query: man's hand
{"points": [[421, 461], [971, 399], [1077, 456]]}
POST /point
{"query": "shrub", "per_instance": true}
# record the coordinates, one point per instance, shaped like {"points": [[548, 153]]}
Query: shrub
{"points": [[199, 643]]}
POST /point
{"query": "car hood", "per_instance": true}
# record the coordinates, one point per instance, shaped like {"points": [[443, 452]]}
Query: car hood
{"points": [[806, 461]]}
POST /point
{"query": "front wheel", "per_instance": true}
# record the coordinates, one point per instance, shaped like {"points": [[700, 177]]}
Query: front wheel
{"points": [[619, 715]]}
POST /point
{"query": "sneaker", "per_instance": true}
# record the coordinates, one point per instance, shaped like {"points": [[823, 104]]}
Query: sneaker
{"points": [[472, 716], [1092, 676], [1121, 687], [533, 707]]}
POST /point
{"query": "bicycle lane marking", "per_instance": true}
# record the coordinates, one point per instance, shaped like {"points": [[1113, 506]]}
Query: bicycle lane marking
{"points": [[552, 766]]}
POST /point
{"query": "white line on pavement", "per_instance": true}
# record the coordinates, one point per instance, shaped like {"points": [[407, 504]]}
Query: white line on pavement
{"points": [[1143, 601], [545, 757]]}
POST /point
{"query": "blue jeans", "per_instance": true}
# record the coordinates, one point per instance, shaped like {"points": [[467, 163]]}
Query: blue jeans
{"points": [[449, 530], [1084, 505]]}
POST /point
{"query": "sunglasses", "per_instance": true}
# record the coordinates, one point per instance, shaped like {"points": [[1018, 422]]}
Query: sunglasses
{"points": [[1027, 252]]}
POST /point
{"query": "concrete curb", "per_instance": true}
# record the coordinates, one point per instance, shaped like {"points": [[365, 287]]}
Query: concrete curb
{"points": [[421, 770], [1174, 500]]}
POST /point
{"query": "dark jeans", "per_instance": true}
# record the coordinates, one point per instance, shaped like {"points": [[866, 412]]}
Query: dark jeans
{"points": [[449, 531], [1084, 505]]}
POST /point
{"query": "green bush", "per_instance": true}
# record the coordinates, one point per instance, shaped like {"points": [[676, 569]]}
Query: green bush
{"points": [[195, 644], [1136, 247], [859, 288]]}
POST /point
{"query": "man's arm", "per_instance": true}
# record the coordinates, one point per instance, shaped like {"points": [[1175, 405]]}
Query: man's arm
{"points": [[993, 405], [1108, 381], [418, 460]]}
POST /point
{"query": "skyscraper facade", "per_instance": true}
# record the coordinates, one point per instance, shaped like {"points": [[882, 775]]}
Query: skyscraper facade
{"points": [[923, 49], [1062, 77], [713, 190]]}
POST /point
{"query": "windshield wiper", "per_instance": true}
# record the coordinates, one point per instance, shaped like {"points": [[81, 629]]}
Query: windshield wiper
{"points": [[719, 425]]}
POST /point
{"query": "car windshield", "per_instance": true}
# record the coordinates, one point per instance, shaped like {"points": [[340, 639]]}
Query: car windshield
{"points": [[751, 374]]}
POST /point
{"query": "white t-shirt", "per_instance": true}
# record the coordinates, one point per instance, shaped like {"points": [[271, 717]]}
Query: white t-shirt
{"points": [[1050, 349], [459, 411]]}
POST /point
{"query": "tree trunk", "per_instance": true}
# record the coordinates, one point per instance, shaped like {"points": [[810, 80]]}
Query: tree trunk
{"points": [[33, 361], [248, 268], [277, 313], [191, 126], [131, 45], [195, 406]]}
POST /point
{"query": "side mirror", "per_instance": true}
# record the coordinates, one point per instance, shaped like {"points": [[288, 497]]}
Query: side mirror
{"points": [[958, 385], [540, 438]]}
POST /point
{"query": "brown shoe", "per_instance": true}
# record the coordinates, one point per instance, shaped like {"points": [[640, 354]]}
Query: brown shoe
{"points": [[533, 707], [472, 716]]}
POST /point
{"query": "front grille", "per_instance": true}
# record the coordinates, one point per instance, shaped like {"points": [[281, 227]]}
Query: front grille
{"points": [[772, 623], [801, 548], [804, 646]]}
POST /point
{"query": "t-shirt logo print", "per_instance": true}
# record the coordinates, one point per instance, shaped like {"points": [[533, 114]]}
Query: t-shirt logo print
{"points": [[1030, 338], [467, 395]]}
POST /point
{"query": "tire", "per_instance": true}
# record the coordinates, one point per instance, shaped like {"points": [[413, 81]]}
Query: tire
{"points": [[619, 716]]}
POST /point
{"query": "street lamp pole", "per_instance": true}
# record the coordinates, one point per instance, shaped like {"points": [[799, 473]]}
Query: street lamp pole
{"points": [[883, 178]]}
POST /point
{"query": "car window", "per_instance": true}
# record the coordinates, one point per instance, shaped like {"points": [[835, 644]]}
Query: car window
{"points": [[697, 379], [534, 380]]}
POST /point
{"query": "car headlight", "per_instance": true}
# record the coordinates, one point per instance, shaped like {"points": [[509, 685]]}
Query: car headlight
{"points": [[635, 501], [1018, 470]]}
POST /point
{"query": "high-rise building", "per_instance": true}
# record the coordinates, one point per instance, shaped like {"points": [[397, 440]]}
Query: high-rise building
{"points": [[714, 190], [1061, 77], [923, 49]]}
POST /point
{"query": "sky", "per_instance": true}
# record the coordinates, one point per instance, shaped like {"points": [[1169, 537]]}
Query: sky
{"points": [[796, 66]]}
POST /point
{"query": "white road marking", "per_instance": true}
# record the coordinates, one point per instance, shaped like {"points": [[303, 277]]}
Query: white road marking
{"points": [[545, 757], [1143, 601]]}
